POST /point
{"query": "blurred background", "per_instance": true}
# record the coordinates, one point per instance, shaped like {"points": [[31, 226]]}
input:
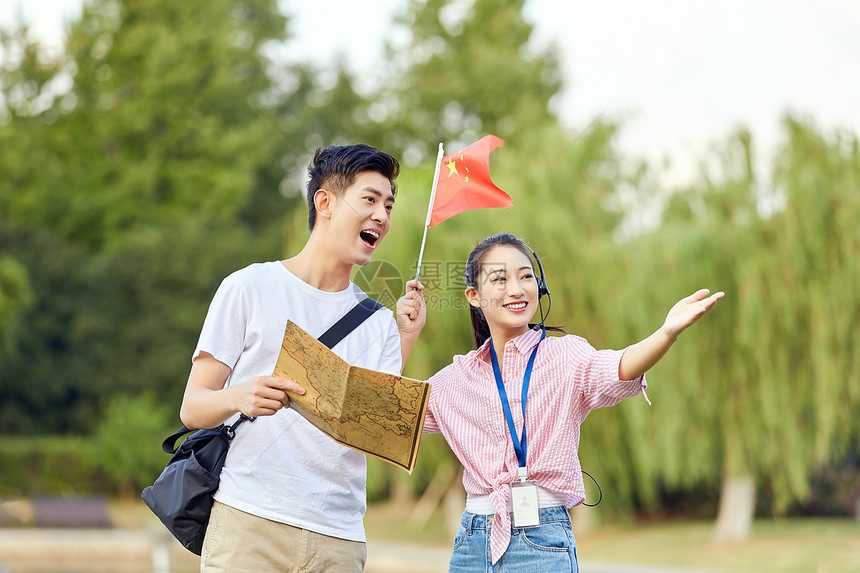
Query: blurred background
{"points": [[148, 149]]}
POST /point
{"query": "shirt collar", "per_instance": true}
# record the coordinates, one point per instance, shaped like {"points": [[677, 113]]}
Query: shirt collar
{"points": [[524, 343]]}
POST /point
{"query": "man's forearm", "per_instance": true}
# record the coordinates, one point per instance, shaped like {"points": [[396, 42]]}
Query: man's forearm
{"points": [[207, 402], [406, 344], [204, 408]]}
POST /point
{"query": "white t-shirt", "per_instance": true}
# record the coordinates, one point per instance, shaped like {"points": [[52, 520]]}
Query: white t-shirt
{"points": [[281, 467]]}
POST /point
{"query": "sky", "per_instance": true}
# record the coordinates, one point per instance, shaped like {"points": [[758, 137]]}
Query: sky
{"points": [[680, 75]]}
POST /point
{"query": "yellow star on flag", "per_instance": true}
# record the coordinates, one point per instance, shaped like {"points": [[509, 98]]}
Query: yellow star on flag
{"points": [[452, 167]]}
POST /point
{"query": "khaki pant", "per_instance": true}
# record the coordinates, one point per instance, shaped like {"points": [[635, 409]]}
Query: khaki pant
{"points": [[238, 542]]}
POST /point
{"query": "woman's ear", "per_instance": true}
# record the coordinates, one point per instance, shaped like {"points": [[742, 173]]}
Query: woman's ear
{"points": [[472, 297], [324, 201]]}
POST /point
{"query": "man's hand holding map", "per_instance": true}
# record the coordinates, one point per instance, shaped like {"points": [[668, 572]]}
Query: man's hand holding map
{"points": [[373, 412]]}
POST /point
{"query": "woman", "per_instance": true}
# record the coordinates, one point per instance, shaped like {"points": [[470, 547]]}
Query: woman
{"points": [[521, 480]]}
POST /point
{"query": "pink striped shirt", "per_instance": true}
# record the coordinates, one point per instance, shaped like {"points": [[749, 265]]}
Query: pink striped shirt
{"points": [[569, 379]]}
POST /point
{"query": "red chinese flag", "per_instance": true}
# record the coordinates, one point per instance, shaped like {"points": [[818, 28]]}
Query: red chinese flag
{"points": [[464, 182]]}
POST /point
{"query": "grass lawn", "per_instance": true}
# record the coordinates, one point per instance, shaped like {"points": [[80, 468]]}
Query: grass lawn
{"points": [[809, 545], [799, 545]]}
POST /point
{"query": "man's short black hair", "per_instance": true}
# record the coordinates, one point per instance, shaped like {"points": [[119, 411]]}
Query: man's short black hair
{"points": [[335, 168]]}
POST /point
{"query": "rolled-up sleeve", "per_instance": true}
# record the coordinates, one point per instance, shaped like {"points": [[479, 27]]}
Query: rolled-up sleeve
{"points": [[596, 374]]}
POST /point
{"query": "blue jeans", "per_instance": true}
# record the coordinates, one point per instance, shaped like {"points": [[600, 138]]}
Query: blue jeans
{"points": [[541, 549]]}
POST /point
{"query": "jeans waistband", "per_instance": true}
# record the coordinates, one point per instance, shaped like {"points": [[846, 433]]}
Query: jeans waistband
{"points": [[472, 521]]}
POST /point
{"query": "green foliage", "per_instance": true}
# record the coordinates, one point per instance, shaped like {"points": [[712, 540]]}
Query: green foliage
{"points": [[15, 297], [44, 381], [121, 321], [160, 95], [128, 197], [468, 69], [47, 464], [126, 443]]}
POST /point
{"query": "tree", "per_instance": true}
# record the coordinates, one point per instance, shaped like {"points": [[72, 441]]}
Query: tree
{"points": [[760, 393], [167, 91], [15, 297], [467, 70], [127, 195], [122, 448]]}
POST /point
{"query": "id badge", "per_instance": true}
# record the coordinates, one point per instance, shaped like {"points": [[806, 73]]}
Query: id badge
{"points": [[524, 499]]}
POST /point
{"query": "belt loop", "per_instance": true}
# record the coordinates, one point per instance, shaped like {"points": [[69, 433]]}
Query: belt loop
{"points": [[470, 525]]}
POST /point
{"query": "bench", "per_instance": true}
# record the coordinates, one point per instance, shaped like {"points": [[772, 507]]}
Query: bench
{"points": [[71, 511]]}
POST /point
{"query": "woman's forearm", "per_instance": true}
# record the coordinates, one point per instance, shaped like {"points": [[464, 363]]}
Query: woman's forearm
{"points": [[640, 357]]}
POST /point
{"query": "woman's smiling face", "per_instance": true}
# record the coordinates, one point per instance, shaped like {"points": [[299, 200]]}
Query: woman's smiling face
{"points": [[506, 291]]}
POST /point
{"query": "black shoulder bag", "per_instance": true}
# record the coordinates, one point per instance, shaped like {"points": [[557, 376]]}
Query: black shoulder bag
{"points": [[181, 497]]}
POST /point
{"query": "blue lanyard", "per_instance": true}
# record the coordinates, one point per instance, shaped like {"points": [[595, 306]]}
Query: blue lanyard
{"points": [[519, 445]]}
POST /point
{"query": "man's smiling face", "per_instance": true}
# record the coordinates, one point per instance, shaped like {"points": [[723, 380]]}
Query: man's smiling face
{"points": [[362, 216]]}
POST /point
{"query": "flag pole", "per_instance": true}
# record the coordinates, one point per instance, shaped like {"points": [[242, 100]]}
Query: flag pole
{"points": [[429, 209]]}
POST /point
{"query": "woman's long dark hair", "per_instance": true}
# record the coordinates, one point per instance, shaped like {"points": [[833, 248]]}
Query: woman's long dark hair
{"points": [[480, 328]]}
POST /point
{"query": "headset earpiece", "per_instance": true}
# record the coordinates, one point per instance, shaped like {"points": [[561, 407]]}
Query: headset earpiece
{"points": [[541, 283], [542, 290]]}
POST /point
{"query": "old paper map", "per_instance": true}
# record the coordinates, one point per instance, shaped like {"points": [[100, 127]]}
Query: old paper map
{"points": [[373, 412]]}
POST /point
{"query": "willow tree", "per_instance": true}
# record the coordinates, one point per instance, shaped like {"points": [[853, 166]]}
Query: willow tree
{"points": [[809, 306], [759, 394]]}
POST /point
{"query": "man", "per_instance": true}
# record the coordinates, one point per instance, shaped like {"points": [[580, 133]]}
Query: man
{"points": [[291, 498]]}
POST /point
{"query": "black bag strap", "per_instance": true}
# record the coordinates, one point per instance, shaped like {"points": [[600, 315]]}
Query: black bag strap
{"points": [[358, 314], [338, 331], [168, 446]]}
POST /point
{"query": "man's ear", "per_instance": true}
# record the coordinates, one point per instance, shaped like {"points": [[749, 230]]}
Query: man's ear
{"points": [[324, 201], [472, 297]]}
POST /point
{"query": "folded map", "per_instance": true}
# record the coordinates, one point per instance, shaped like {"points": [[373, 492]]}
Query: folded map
{"points": [[376, 413]]}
